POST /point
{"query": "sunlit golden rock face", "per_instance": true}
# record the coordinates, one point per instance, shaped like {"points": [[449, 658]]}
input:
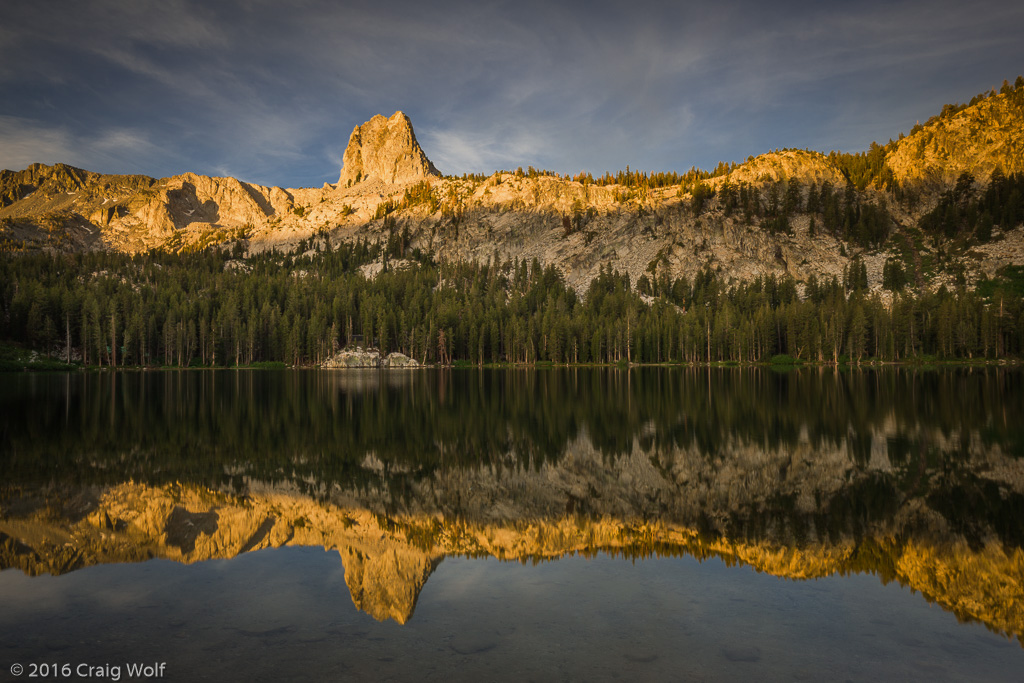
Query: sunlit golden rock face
{"points": [[85, 210], [799, 165], [385, 149], [977, 140]]}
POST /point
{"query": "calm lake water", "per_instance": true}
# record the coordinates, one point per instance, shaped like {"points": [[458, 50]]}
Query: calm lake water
{"points": [[556, 524]]}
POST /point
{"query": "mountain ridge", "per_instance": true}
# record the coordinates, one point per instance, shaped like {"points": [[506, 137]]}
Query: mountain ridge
{"points": [[578, 225]]}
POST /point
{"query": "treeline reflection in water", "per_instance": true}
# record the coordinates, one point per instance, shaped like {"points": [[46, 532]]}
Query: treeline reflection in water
{"points": [[915, 475], [465, 417], [937, 435]]}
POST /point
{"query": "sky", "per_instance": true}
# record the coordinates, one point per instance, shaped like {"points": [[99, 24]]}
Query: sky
{"points": [[269, 91]]}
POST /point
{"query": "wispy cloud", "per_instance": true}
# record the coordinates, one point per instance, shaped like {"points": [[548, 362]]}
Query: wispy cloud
{"points": [[271, 90], [24, 142], [459, 151]]}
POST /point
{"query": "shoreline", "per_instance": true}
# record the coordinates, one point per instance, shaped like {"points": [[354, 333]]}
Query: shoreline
{"points": [[49, 365]]}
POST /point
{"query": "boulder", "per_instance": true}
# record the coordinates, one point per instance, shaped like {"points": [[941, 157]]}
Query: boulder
{"points": [[400, 360], [357, 358]]}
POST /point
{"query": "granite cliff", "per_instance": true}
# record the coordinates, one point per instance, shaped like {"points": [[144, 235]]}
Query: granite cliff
{"points": [[976, 140], [388, 184], [385, 149]]}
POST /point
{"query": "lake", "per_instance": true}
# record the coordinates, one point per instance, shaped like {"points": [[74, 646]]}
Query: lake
{"points": [[513, 524]]}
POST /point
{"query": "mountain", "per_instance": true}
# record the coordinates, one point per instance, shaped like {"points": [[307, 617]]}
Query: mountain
{"points": [[65, 208], [975, 140], [767, 216], [385, 149]]}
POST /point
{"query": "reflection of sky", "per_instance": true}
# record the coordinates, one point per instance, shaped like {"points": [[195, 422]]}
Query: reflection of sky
{"points": [[269, 92], [285, 614]]}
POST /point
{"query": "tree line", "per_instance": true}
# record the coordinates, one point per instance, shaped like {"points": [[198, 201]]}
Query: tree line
{"points": [[215, 308], [966, 210]]}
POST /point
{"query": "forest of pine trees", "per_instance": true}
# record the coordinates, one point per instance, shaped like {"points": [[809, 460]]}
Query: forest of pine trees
{"points": [[215, 309]]}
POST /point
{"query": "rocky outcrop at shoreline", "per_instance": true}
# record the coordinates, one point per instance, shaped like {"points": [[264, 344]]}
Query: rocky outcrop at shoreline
{"points": [[368, 358]]}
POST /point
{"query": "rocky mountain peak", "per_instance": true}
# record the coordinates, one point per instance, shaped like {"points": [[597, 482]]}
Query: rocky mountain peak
{"points": [[973, 139], [385, 149]]}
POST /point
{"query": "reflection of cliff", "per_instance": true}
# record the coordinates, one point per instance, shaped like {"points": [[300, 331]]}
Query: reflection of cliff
{"points": [[916, 476], [65, 531], [385, 585], [388, 558]]}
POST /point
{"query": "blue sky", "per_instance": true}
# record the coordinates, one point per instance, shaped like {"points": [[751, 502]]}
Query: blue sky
{"points": [[269, 91]]}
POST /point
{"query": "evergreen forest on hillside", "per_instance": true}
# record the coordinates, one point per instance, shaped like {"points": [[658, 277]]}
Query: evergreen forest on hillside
{"points": [[214, 308], [217, 307]]}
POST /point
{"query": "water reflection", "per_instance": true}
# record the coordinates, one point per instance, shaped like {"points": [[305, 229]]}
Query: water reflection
{"points": [[917, 477]]}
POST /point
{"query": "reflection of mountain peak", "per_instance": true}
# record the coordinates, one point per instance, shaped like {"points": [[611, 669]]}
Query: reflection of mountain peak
{"points": [[389, 559], [133, 522], [386, 585]]}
